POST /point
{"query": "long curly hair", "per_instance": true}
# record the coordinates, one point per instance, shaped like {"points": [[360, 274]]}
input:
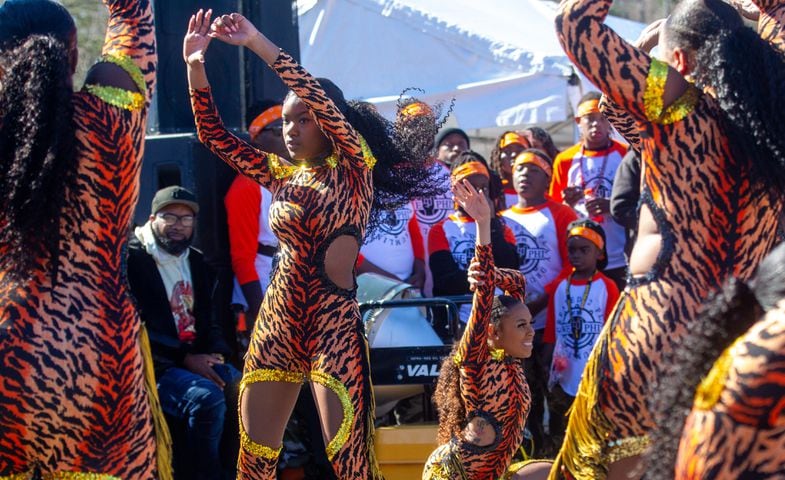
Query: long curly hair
{"points": [[726, 51], [726, 315], [37, 140], [447, 396], [401, 173]]}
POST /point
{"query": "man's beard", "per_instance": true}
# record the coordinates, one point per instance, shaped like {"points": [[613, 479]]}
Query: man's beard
{"points": [[172, 247]]}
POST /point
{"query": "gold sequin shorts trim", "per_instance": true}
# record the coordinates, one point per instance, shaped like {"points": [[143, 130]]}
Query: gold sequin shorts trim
{"points": [[257, 376], [340, 390]]}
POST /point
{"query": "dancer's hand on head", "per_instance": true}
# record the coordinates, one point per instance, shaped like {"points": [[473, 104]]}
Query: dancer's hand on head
{"points": [[233, 29], [476, 275], [747, 9], [196, 38], [650, 36], [473, 202]]}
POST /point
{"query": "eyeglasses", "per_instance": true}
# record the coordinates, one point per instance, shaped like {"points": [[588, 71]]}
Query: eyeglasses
{"points": [[170, 219]]}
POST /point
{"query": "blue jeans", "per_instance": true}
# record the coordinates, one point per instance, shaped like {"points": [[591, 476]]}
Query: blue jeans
{"points": [[201, 407]]}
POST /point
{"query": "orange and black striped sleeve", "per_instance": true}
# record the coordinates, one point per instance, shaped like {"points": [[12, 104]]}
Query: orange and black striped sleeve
{"points": [[473, 348]]}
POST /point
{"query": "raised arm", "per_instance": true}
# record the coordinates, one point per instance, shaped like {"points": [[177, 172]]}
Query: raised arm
{"points": [[512, 282], [772, 18], [622, 122], [237, 30], [125, 75], [646, 89], [473, 347], [265, 169]]}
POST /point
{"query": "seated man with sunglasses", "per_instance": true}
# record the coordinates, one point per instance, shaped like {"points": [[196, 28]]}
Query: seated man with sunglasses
{"points": [[172, 286]]}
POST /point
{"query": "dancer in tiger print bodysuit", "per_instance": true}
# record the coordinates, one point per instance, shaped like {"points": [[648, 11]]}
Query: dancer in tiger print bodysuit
{"points": [[713, 181], [73, 403], [309, 327]]}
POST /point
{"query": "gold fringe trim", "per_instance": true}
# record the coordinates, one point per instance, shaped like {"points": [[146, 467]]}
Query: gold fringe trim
{"points": [[163, 440], [710, 389], [582, 453]]}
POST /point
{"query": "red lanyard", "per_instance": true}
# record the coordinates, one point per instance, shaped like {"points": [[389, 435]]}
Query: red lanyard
{"points": [[583, 165], [576, 321]]}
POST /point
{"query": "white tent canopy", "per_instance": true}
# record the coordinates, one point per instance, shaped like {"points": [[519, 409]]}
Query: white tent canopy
{"points": [[499, 59]]}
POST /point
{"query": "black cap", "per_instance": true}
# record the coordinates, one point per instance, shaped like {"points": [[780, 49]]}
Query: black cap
{"points": [[174, 195], [449, 131]]}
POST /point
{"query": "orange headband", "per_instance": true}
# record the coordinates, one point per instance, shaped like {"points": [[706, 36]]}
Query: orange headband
{"points": [[512, 137], [588, 234], [469, 168], [533, 158], [416, 109], [265, 118], [587, 108]]}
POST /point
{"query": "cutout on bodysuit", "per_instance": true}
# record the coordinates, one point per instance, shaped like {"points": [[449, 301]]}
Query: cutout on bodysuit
{"points": [[339, 258], [665, 246], [486, 418], [259, 376], [339, 437]]}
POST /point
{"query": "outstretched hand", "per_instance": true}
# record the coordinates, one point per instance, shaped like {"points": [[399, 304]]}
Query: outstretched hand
{"points": [[233, 29], [196, 38], [471, 201]]}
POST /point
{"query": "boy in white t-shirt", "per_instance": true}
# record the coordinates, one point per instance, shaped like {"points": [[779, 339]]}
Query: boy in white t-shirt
{"points": [[540, 228], [580, 302]]}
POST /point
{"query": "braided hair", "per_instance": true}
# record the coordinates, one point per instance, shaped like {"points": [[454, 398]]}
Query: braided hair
{"points": [[37, 139]]}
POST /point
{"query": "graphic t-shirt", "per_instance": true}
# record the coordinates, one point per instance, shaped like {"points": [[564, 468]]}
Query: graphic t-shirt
{"points": [[541, 238], [396, 242], [431, 211], [458, 235], [574, 326], [593, 171]]}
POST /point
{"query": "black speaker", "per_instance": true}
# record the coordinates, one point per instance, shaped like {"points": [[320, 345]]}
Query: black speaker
{"points": [[171, 108], [278, 20]]}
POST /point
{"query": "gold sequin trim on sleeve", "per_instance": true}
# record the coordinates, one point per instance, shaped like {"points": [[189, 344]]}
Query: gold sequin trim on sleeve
{"points": [[681, 107], [710, 389], [120, 97], [336, 386], [117, 97], [655, 91], [18, 476], [368, 155]]}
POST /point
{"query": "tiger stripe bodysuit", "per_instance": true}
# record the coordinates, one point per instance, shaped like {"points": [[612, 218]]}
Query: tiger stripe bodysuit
{"points": [[309, 328], [714, 223], [73, 402], [493, 387]]}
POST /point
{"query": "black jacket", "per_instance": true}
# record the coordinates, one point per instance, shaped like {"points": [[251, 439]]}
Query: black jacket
{"points": [[149, 291], [626, 195]]}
